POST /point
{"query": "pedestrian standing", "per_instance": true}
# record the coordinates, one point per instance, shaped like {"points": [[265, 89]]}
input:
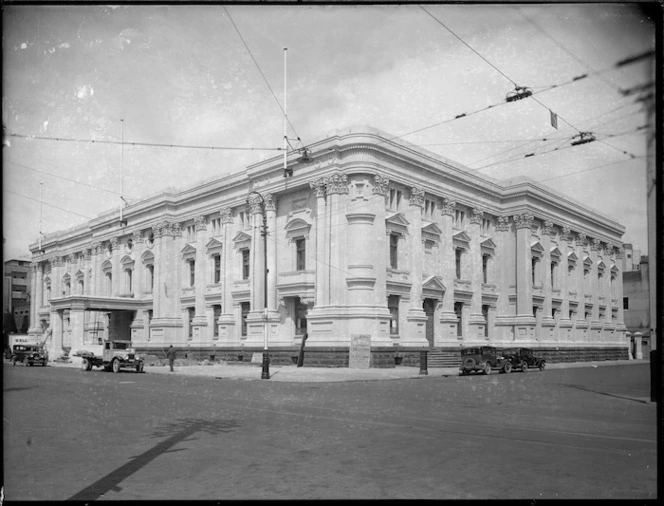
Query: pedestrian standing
{"points": [[171, 356]]}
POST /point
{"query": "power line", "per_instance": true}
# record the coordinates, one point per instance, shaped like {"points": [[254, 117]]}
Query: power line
{"points": [[50, 205], [65, 178], [589, 169], [152, 144], [261, 72]]}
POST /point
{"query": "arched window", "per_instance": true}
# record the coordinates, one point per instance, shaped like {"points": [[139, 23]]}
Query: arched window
{"points": [[148, 271], [107, 270]]}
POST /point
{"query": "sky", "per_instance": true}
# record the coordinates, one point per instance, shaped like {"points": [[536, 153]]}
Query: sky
{"points": [[213, 76]]}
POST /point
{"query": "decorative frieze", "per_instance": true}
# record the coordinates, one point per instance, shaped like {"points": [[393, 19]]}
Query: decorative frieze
{"points": [[199, 223], [381, 185], [566, 233], [319, 186], [547, 229], [449, 206], [166, 228], [416, 197], [337, 183], [114, 243], [503, 224], [137, 237], [226, 215], [270, 202], [524, 220], [476, 217], [581, 239]]}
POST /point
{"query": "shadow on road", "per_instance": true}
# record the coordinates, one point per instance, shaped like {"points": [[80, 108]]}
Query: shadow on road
{"points": [[176, 432], [579, 387]]}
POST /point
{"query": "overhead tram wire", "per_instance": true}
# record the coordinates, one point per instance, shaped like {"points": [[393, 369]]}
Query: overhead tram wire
{"points": [[149, 144], [589, 169], [46, 203], [624, 62], [64, 178], [263, 75]]}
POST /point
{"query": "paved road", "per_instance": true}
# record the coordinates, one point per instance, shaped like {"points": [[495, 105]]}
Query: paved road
{"points": [[561, 433]]}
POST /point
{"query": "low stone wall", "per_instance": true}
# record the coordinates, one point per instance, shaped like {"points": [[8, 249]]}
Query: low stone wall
{"points": [[388, 357]]}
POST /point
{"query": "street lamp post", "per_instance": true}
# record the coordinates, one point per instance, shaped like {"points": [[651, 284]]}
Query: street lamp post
{"points": [[265, 374]]}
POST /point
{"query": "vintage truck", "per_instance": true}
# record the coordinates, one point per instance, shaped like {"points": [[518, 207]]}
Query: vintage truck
{"points": [[116, 355]]}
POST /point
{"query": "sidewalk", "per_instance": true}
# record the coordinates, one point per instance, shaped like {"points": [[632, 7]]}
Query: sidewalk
{"points": [[294, 374]]}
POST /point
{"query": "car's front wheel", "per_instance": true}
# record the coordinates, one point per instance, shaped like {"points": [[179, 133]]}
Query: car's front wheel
{"points": [[524, 366], [116, 365], [507, 368], [487, 368], [542, 365]]}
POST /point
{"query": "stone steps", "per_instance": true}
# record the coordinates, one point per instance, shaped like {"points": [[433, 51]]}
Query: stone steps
{"points": [[439, 359]]}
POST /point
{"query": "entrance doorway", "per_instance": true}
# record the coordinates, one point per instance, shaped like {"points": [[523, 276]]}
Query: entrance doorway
{"points": [[429, 306]]}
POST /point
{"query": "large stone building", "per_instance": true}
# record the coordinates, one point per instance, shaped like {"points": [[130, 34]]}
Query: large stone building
{"points": [[16, 294], [369, 236]]}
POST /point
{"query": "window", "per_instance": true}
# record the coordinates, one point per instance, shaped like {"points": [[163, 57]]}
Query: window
{"points": [[149, 276], [393, 306], [429, 210], [458, 311], [191, 232], [244, 307], [485, 313], [300, 317], [128, 281], [394, 200], [150, 315], [554, 270], [625, 302], [109, 283], [394, 251], [571, 314], [535, 311], [216, 313], [457, 259], [485, 226], [300, 254], [217, 268], [485, 270], [48, 291], [191, 311], [534, 261], [192, 272], [245, 264], [459, 218], [81, 287]]}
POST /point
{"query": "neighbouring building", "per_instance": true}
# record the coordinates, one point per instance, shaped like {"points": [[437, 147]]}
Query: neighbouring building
{"points": [[367, 236], [16, 294], [636, 306]]}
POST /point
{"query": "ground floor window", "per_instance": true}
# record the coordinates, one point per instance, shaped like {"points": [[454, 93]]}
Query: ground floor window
{"points": [[393, 306], [485, 313], [458, 311], [216, 312], [245, 307], [191, 311]]}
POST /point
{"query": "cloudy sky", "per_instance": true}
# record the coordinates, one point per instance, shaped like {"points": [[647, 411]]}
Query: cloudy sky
{"points": [[213, 76]]}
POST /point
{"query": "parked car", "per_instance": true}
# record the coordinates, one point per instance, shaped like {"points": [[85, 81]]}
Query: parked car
{"points": [[483, 359], [28, 355], [116, 355], [523, 358]]}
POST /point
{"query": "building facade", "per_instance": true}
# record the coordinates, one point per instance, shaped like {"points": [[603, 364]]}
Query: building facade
{"points": [[370, 236], [16, 293], [636, 306]]}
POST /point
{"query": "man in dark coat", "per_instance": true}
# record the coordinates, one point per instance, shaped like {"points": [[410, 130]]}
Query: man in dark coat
{"points": [[170, 355]]}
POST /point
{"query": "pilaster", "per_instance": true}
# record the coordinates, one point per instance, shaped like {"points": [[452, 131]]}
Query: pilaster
{"points": [[448, 319], [476, 322], [200, 323], [524, 320]]}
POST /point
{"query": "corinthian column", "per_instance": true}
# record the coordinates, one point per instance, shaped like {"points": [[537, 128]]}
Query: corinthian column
{"points": [[476, 320], [321, 238], [199, 322], [524, 321]]}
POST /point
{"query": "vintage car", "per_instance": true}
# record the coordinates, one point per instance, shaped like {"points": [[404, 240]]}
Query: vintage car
{"points": [[483, 359], [523, 358], [116, 355], [28, 354]]}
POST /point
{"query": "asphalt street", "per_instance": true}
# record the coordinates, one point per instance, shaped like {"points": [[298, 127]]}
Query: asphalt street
{"points": [[558, 434]]}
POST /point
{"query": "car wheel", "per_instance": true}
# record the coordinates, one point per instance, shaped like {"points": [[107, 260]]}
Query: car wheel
{"points": [[508, 368], [524, 366], [487, 368], [116, 365], [542, 365]]}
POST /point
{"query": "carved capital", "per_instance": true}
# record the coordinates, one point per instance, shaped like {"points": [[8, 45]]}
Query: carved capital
{"points": [[319, 186], [381, 185], [524, 220], [595, 246], [255, 202], [476, 218], [199, 223], [416, 197], [620, 252], [502, 224], [114, 242], [270, 202], [87, 254], [337, 183], [95, 246], [449, 206], [547, 229], [566, 232], [226, 215], [137, 237]]}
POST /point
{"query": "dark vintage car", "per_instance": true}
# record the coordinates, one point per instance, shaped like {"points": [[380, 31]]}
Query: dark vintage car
{"points": [[28, 355], [523, 358], [483, 359]]}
